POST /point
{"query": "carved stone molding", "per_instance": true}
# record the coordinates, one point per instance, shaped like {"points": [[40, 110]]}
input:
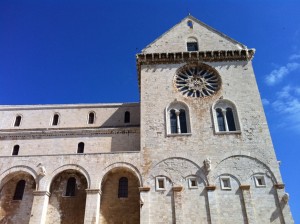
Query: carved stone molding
{"points": [[245, 187], [93, 191], [177, 188], [279, 186]]}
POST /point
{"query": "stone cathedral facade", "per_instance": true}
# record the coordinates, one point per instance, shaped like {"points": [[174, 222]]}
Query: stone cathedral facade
{"points": [[196, 149]]}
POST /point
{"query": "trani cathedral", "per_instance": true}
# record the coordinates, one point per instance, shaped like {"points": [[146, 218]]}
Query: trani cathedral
{"points": [[196, 149]]}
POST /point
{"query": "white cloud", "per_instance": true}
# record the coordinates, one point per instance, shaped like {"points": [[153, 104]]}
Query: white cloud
{"points": [[287, 105], [294, 57], [265, 102], [277, 74]]}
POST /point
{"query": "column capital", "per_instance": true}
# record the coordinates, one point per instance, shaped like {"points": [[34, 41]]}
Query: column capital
{"points": [[279, 186], [145, 188], [245, 187], [93, 191], [210, 187], [177, 188], [41, 193]]}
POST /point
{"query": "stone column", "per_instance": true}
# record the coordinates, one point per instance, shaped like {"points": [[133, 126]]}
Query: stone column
{"points": [[212, 204], [39, 207], [177, 112], [178, 204], [225, 119], [283, 198], [92, 206], [145, 205], [250, 212]]}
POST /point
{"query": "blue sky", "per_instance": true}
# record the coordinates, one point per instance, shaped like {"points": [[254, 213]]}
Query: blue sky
{"points": [[60, 51]]}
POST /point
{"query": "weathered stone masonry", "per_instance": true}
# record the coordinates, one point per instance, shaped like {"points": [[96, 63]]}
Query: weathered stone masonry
{"points": [[196, 149]]}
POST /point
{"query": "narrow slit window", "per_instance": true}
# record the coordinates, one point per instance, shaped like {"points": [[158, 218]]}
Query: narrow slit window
{"points": [[18, 121], [19, 191], [55, 119], [173, 121], [160, 183], [182, 119], [80, 148], [220, 119], [230, 119], [71, 187], [123, 188], [190, 24], [15, 151], [127, 117], [91, 118]]}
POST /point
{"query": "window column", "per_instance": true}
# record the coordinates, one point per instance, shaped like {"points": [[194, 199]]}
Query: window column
{"points": [[177, 112], [92, 206], [225, 119]]}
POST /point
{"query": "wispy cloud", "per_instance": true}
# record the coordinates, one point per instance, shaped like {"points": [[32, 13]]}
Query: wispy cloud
{"points": [[294, 57], [265, 102], [277, 75], [287, 105]]}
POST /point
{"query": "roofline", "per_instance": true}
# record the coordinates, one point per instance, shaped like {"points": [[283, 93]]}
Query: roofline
{"points": [[67, 106], [205, 25]]}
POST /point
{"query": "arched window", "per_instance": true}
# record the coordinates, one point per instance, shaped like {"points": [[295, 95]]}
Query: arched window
{"points": [[80, 148], [192, 44], [19, 191], [71, 187], [190, 24], [55, 120], [91, 118], [225, 117], [127, 117], [123, 188], [177, 117], [15, 151], [18, 121]]}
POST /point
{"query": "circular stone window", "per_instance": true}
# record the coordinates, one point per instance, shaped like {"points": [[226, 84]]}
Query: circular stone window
{"points": [[197, 81]]}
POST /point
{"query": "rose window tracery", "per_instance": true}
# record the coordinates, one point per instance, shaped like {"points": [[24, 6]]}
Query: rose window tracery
{"points": [[197, 81]]}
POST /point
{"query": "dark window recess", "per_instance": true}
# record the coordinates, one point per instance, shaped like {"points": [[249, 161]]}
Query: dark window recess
{"points": [[80, 148], [18, 121], [182, 119], [173, 121], [91, 118], [220, 118], [123, 188], [127, 117], [161, 184], [55, 119], [190, 24], [230, 119], [193, 183], [15, 151], [192, 46], [71, 186], [19, 190]]}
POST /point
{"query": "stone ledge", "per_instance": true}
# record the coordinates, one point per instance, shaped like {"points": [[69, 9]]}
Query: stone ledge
{"points": [[93, 191], [245, 187], [210, 188], [41, 193], [177, 188], [279, 186], [144, 189]]}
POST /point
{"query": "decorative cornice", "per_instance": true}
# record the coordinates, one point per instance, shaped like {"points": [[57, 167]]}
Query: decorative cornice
{"points": [[37, 134], [144, 189], [210, 188], [93, 191], [177, 188], [245, 187], [193, 57], [279, 186], [41, 193]]}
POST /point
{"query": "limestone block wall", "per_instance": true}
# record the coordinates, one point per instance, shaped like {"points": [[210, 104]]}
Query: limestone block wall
{"points": [[70, 116]]}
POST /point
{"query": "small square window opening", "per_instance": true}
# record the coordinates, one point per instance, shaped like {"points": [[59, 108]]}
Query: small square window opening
{"points": [[260, 181], [193, 183], [225, 183], [160, 183]]}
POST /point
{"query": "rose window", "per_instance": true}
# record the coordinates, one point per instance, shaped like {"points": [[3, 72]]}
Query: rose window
{"points": [[197, 81]]}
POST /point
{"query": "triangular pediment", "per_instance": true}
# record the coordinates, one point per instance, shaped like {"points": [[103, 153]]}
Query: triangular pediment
{"points": [[209, 39]]}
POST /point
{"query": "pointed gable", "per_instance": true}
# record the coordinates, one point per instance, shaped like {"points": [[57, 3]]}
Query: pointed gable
{"points": [[208, 39]]}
